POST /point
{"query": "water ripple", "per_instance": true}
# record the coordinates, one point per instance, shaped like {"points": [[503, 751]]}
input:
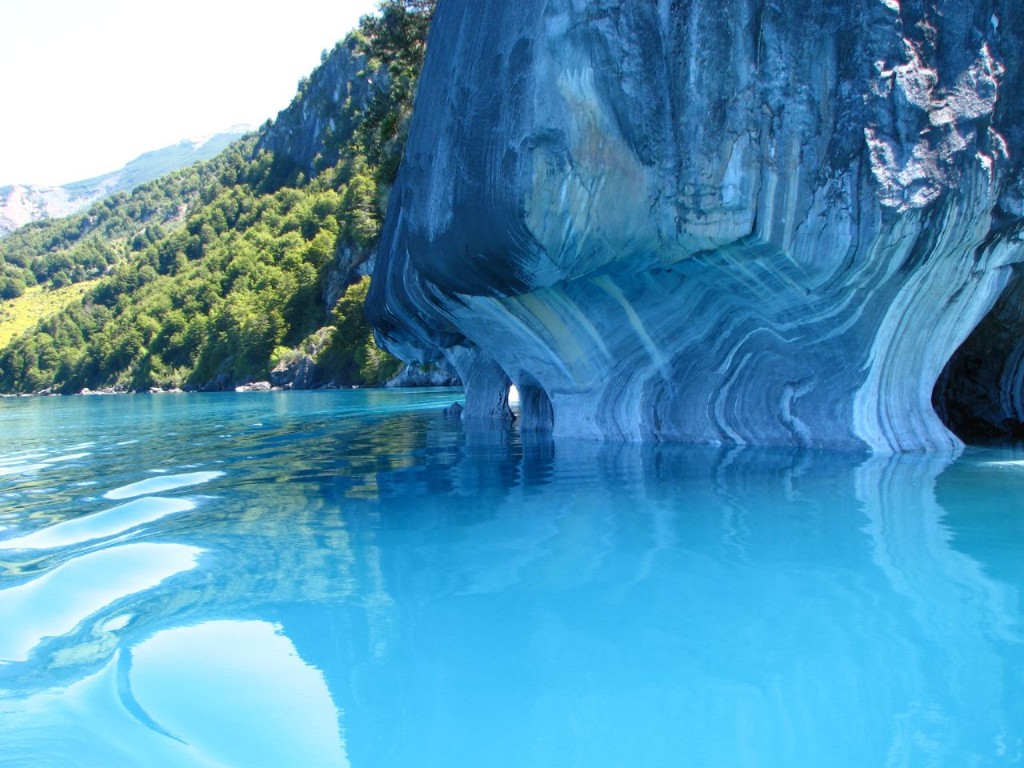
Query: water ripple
{"points": [[161, 484], [54, 604], [100, 525]]}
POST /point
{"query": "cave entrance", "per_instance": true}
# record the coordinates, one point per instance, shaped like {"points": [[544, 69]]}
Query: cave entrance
{"points": [[980, 400], [536, 413], [980, 393]]}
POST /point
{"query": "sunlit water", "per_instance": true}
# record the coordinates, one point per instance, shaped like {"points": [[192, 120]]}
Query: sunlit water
{"points": [[350, 578]]}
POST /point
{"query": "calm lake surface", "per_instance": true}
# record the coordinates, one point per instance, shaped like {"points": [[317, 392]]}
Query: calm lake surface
{"points": [[349, 578]]}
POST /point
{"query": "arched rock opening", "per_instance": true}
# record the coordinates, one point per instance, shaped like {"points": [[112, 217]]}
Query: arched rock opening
{"points": [[980, 393], [536, 413], [486, 385]]}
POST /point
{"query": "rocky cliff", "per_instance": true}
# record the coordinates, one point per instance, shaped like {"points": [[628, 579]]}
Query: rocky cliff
{"points": [[308, 135], [316, 129], [729, 222]]}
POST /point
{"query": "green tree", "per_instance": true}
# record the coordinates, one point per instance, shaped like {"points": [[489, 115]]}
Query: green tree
{"points": [[351, 356], [209, 270]]}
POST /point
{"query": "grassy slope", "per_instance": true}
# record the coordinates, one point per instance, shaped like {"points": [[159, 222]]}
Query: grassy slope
{"points": [[273, 230], [20, 314]]}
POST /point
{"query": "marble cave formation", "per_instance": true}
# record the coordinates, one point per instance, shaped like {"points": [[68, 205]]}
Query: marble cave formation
{"points": [[718, 221]]}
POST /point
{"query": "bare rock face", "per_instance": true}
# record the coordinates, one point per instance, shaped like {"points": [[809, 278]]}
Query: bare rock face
{"points": [[21, 204], [309, 133], [725, 222], [312, 131], [296, 372]]}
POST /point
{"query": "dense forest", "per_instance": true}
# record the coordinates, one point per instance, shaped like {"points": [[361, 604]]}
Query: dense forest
{"points": [[255, 260]]}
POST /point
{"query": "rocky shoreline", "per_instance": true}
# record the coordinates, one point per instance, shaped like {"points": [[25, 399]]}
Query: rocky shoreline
{"points": [[411, 376]]}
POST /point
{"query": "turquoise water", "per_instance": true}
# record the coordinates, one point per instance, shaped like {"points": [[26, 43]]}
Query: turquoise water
{"points": [[348, 578]]}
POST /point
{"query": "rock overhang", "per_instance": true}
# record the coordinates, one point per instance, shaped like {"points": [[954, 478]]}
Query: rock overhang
{"points": [[704, 221]]}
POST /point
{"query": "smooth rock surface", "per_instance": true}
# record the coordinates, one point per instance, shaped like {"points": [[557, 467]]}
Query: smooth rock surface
{"points": [[725, 222]]}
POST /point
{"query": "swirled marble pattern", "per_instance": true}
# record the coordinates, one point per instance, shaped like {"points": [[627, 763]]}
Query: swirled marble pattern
{"points": [[721, 222]]}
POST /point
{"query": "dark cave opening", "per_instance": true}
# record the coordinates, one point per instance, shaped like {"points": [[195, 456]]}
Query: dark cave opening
{"points": [[980, 393]]}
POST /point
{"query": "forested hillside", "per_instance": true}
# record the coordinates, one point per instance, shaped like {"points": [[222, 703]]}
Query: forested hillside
{"points": [[219, 273], [56, 252], [21, 204]]}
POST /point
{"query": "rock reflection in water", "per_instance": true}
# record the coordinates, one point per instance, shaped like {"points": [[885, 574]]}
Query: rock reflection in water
{"points": [[783, 604], [448, 596]]}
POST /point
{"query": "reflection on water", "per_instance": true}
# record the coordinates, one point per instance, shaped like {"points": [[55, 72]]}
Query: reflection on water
{"points": [[238, 693], [350, 578], [99, 525], [161, 484], [53, 604]]}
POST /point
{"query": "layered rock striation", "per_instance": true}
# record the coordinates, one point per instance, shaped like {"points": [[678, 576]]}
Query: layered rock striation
{"points": [[727, 222]]}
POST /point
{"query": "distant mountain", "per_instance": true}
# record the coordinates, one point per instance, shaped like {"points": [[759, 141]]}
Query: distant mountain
{"points": [[248, 267], [21, 203]]}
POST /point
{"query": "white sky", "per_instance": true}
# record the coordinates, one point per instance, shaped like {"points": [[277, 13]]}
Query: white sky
{"points": [[87, 85]]}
